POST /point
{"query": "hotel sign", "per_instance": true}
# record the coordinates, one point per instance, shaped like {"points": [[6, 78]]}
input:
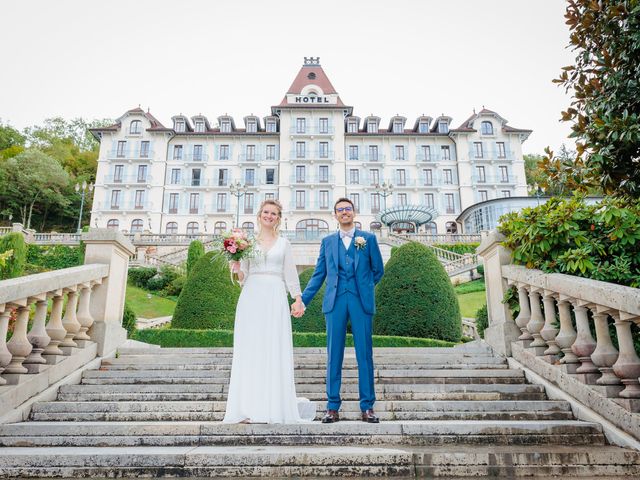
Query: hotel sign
{"points": [[311, 99]]}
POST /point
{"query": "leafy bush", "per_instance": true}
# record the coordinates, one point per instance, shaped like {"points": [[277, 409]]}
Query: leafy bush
{"points": [[157, 282], [129, 320], [175, 287], [482, 320], [13, 265], [139, 276], [599, 241], [313, 318], [415, 297], [480, 269], [196, 250], [460, 248], [55, 257], [208, 299], [173, 337]]}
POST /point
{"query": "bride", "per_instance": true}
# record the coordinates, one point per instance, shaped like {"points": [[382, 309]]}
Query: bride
{"points": [[262, 387]]}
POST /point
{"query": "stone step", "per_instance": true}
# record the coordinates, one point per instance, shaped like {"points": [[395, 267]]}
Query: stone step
{"points": [[321, 366], [285, 461], [435, 432]]}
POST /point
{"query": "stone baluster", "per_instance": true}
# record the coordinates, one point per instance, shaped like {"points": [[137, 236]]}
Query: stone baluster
{"points": [[537, 321], [605, 354], [84, 314], [567, 334], [522, 320], [549, 331], [5, 354], [627, 367], [38, 335], [70, 321], [584, 345], [19, 345], [55, 329]]}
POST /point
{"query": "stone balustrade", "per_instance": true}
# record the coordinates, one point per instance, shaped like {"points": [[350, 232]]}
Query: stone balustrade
{"points": [[73, 313], [582, 328]]}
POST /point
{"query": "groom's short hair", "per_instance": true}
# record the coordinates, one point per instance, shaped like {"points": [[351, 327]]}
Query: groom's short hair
{"points": [[343, 199]]}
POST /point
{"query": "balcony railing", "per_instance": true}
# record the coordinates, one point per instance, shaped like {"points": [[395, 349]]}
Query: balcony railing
{"points": [[311, 130], [311, 180], [195, 157], [313, 155], [130, 154], [494, 180], [128, 179]]}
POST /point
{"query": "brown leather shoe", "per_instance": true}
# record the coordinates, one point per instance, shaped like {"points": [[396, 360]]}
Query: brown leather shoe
{"points": [[331, 416], [370, 417]]}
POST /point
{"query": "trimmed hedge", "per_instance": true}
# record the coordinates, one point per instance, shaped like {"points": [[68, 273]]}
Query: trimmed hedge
{"points": [[196, 250], [415, 297], [313, 318], [172, 337], [208, 299], [13, 266], [482, 320]]}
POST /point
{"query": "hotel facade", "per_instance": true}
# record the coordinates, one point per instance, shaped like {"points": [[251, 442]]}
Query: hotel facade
{"points": [[199, 176]]}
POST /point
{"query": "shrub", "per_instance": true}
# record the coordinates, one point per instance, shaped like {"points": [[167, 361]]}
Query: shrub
{"points": [[13, 265], [129, 320], [415, 297], [460, 248], [208, 299], [480, 270], [139, 276], [175, 287], [313, 318], [54, 257], [598, 241], [196, 250], [173, 337], [482, 320], [162, 279]]}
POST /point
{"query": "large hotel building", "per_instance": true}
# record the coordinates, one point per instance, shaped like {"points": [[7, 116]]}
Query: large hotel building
{"points": [[200, 176]]}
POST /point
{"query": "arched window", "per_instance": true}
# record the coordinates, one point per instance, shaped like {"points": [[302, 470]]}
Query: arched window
{"points": [[311, 228], [451, 227], [431, 228], [358, 225], [375, 226], [113, 223], [403, 227], [248, 226], [487, 128], [219, 227], [135, 127], [137, 225], [171, 228], [192, 228]]}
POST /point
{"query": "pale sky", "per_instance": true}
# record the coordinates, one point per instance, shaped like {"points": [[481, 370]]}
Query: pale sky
{"points": [[96, 59]]}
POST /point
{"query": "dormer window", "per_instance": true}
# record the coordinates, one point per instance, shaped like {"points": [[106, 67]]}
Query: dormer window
{"points": [[486, 128], [352, 127], [199, 126], [423, 127], [372, 126], [180, 125], [225, 126], [135, 127], [443, 127], [271, 126], [397, 126], [252, 126]]}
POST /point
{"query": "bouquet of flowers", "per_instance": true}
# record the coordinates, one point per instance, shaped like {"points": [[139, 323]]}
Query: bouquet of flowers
{"points": [[235, 246]]}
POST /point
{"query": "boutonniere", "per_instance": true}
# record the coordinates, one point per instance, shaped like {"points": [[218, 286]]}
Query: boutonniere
{"points": [[360, 242]]}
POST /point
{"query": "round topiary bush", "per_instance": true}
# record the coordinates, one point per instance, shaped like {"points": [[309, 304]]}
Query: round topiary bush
{"points": [[196, 250], [313, 318], [415, 297], [208, 298]]}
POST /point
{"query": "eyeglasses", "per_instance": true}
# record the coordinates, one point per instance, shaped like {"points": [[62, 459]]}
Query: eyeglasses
{"points": [[344, 209]]}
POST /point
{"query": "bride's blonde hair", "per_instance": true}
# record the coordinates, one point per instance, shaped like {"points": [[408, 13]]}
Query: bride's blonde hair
{"points": [[278, 205]]}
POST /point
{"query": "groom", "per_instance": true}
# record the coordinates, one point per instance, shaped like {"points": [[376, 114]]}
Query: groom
{"points": [[350, 261]]}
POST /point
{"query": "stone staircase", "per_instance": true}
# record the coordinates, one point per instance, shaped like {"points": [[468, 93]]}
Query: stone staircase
{"points": [[446, 412]]}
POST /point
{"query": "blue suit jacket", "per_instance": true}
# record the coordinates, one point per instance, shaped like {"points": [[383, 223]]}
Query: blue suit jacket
{"points": [[369, 270]]}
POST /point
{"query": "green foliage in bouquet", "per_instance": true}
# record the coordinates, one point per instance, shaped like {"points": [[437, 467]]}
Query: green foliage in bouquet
{"points": [[208, 299], [415, 297], [599, 241]]}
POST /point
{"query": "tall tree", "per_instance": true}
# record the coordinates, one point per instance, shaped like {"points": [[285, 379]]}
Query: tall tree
{"points": [[605, 110], [57, 128], [32, 179], [11, 141]]}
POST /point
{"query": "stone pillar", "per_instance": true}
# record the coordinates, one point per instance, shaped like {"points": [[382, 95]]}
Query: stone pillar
{"points": [[70, 320], [19, 345], [5, 354], [84, 315], [605, 354], [108, 246], [502, 329], [522, 320], [537, 322], [627, 367], [38, 335], [55, 329], [567, 334], [549, 330], [584, 345]]}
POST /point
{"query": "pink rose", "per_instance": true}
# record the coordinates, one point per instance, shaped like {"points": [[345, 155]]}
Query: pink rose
{"points": [[232, 249]]}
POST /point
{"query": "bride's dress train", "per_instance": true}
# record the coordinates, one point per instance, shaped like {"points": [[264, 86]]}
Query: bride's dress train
{"points": [[262, 385]]}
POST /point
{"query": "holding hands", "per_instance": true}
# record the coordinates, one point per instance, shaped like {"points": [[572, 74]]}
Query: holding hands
{"points": [[297, 308]]}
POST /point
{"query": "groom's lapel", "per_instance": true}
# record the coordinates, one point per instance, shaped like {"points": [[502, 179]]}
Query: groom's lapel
{"points": [[335, 244], [356, 250]]}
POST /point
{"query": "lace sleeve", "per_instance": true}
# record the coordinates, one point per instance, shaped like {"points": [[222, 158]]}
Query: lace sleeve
{"points": [[244, 268], [290, 273]]}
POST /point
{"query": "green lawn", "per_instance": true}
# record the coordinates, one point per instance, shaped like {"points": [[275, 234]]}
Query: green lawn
{"points": [[147, 305], [471, 302]]}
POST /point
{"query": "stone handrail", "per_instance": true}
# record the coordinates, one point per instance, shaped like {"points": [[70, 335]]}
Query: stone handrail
{"points": [[558, 315], [77, 313], [441, 237]]}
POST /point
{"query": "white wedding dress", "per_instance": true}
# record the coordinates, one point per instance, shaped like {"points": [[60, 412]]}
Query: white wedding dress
{"points": [[262, 387]]}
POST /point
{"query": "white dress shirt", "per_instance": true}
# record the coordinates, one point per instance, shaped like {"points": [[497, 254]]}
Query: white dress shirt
{"points": [[347, 240]]}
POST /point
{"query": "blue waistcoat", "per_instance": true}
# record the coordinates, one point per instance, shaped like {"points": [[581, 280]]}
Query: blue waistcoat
{"points": [[347, 269]]}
